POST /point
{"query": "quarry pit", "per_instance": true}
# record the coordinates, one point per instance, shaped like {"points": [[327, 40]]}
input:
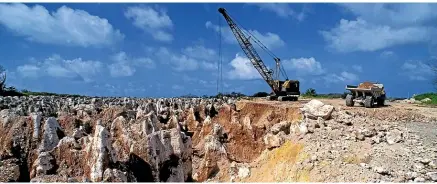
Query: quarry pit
{"points": [[54, 139]]}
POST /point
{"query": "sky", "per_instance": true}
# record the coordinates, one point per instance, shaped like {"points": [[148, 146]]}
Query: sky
{"points": [[163, 50]]}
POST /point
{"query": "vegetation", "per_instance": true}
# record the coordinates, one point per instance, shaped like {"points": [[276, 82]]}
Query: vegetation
{"points": [[310, 93], [12, 91], [232, 94], [33, 93], [260, 94], [431, 96]]}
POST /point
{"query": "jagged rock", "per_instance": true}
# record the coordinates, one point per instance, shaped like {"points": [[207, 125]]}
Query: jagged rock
{"points": [[316, 108], [432, 164], [114, 175], [300, 128], [9, 170], [100, 152], [282, 126], [44, 164], [419, 179], [273, 141], [344, 117], [49, 179], [394, 136], [214, 150], [36, 117], [411, 175], [52, 133], [432, 175], [239, 171], [78, 133], [418, 167], [6, 116]]}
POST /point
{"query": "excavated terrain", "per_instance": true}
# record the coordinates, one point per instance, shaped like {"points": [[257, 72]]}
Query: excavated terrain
{"points": [[53, 139]]}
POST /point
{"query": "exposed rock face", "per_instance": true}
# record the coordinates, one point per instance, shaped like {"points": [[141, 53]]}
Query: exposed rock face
{"points": [[53, 139]]}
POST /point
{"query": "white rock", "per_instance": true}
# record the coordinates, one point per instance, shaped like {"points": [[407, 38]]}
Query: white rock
{"points": [[380, 170], [281, 126], [316, 108], [432, 175], [50, 135], [36, 117], [303, 129], [394, 136], [411, 175], [419, 179], [114, 175], [273, 141], [6, 116], [101, 153], [243, 172]]}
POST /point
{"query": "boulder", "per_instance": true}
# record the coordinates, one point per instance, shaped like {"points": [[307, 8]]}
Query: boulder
{"points": [[316, 108]]}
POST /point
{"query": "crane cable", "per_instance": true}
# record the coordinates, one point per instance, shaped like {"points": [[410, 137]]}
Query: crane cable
{"points": [[261, 45], [219, 62]]}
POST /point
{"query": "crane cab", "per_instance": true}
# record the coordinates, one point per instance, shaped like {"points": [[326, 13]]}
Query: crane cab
{"points": [[286, 90]]}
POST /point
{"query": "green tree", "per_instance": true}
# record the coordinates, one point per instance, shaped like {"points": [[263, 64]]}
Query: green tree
{"points": [[310, 92]]}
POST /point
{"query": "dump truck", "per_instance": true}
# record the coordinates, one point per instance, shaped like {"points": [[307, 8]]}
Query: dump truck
{"points": [[367, 94]]}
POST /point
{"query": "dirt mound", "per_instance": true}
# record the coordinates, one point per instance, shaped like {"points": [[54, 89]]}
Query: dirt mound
{"points": [[366, 85]]}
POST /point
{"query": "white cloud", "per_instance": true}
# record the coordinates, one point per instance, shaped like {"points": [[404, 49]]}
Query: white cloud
{"points": [[270, 40], [358, 68], [343, 77], [183, 62], [56, 66], [242, 69], [190, 59], [65, 26], [177, 87], [359, 35], [282, 10], [124, 66], [200, 52], [380, 26], [30, 71], [400, 14], [155, 22], [304, 66], [417, 70], [387, 54]]}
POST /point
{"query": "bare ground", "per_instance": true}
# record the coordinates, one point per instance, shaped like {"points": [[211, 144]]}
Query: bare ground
{"points": [[395, 143]]}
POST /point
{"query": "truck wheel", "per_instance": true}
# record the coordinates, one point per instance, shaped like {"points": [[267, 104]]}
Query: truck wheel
{"points": [[368, 102], [380, 101], [349, 100], [281, 98]]}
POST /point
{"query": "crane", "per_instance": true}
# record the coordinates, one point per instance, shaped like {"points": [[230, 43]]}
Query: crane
{"points": [[283, 90]]}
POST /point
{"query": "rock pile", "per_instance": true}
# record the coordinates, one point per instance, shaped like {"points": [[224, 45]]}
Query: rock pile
{"points": [[348, 146]]}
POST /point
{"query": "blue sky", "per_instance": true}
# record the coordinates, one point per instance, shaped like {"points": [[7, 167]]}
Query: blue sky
{"points": [[172, 49]]}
